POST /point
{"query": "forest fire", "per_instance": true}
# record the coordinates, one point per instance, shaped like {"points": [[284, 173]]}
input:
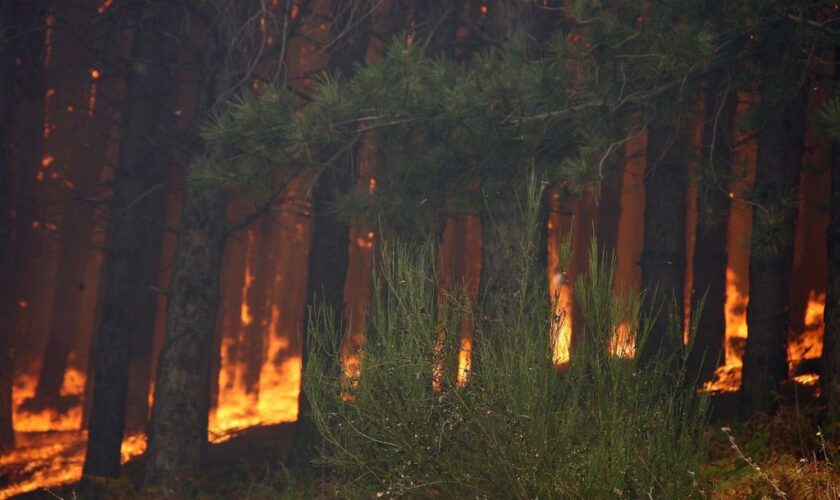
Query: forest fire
{"points": [[51, 446], [802, 347], [728, 375], [185, 187], [50, 443]]}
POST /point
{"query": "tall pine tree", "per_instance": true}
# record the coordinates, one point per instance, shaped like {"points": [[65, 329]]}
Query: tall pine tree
{"points": [[134, 237], [781, 134], [830, 374]]}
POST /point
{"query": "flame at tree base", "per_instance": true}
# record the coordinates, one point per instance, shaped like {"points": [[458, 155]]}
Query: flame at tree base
{"points": [[805, 346], [50, 447]]}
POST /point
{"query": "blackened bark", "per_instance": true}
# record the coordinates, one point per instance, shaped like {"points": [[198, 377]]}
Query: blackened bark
{"points": [[133, 246], [329, 248], [178, 429], [7, 435], [780, 149], [710, 251], [663, 254], [830, 374]]}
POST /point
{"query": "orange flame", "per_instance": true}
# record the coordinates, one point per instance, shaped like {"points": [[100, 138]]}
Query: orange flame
{"points": [[623, 343], [464, 360], [50, 447]]}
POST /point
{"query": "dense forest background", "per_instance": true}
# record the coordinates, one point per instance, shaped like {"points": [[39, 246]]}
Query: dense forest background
{"points": [[188, 187]]}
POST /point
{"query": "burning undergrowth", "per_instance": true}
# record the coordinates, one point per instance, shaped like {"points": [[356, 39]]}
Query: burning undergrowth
{"points": [[519, 428]]}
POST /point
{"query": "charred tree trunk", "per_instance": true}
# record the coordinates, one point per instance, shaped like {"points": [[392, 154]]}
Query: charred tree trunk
{"points": [[133, 247], [178, 427], [329, 252], [830, 375], [780, 150], [7, 360], [24, 41], [663, 254], [710, 252], [178, 430]]}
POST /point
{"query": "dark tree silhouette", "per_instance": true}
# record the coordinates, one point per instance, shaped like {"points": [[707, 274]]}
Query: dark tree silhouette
{"points": [[830, 376], [663, 254], [7, 435], [133, 246], [780, 147], [710, 251]]}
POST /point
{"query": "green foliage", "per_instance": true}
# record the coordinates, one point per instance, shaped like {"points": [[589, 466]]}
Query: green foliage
{"points": [[520, 428], [829, 119], [768, 235]]}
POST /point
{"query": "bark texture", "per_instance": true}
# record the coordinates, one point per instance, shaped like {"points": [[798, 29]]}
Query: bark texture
{"points": [[178, 429], [780, 149], [133, 247], [710, 251], [663, 254], [830, 375]]}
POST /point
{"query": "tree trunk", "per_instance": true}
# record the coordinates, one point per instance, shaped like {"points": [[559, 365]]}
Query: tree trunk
{"points": [[259, 305], [229, 320], [178, 429], [663, 255], [710, 251], [133, 248], [609, 210], [89, 135], [26, 41], [830, 376], [80, 142], [7, 434], [329, 252], [780, 150], [501, 221]]}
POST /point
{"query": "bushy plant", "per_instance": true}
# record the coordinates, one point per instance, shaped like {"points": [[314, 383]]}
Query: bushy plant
{"points": [[521, 427]]}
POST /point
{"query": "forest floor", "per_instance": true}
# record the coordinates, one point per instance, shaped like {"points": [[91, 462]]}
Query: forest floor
{"points": [[791, 455]]}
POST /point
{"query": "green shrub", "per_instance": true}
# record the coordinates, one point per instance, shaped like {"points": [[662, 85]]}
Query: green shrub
{"points": [[520, 428]]}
